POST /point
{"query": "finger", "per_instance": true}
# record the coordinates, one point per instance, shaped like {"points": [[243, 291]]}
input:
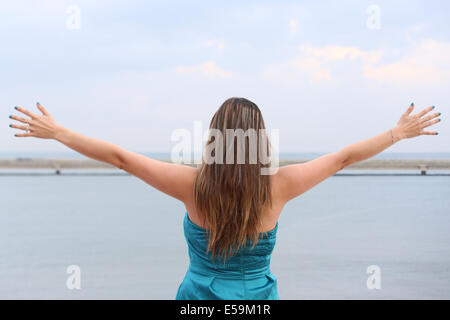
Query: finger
{"points": [[431, 116], [21, 119], [425, 111], [25, 111], [42, 109], [431, 133], [23, 135], [410, 109], [430, 123], [17, 126]]}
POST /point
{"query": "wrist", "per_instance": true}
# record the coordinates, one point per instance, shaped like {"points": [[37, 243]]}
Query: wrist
{"points": [[60, 133], [397, 134]]}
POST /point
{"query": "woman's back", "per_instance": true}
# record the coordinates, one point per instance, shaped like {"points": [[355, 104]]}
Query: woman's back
{"points": [[233, 204], [246, 275], [270, 214]]}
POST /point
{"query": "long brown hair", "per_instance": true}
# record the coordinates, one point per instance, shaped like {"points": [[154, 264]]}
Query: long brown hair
{"points": [[231, 196]]}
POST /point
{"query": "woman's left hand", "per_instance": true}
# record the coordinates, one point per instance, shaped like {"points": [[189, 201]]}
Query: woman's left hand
{"points": [[38, 126]]}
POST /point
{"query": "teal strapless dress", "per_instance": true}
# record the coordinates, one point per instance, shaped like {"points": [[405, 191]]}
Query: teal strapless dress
{"points": [[245, 276]]}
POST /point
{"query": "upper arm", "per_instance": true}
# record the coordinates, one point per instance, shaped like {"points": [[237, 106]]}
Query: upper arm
{"points": [[173, 179], [293, 180]]}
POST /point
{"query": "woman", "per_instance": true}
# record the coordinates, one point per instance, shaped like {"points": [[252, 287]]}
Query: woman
{"points": [[232, 208]]}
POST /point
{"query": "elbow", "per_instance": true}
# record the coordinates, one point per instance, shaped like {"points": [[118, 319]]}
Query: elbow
{"points": [[342, 160], [120, 166], [118, 160], [344, 164]]}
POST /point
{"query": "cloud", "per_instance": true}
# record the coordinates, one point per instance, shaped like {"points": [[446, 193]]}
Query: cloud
{"points": [[293, 26], [427, 63], [208, 68], [338, 53], [313, 67], [315, 63], [217, 43], [421, 64]]}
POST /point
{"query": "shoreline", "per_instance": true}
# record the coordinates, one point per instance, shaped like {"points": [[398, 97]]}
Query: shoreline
{"points": [[371, 164]]}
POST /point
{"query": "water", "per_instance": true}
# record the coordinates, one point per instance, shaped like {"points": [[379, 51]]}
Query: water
{"points": [[128, 239]]}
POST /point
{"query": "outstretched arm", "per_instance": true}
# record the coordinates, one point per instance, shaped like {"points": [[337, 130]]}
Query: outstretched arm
{"points": [[407, 127], [172, 179], [294, 180]]}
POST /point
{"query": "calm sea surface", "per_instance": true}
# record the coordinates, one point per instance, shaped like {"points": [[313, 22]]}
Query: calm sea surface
{"points": [[127, 238]]}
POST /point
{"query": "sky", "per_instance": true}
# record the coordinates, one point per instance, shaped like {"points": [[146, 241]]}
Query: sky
{"points": [[324, 73]]}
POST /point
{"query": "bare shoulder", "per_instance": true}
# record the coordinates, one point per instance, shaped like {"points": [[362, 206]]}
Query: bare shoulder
{"points": [[291, 181], [176, 180]]}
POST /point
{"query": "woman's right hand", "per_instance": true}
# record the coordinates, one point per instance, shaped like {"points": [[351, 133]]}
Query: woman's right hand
{"points": [[410, 126]]}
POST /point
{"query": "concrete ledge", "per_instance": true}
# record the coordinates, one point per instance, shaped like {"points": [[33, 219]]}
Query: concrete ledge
{"points": [[60, 164]]}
